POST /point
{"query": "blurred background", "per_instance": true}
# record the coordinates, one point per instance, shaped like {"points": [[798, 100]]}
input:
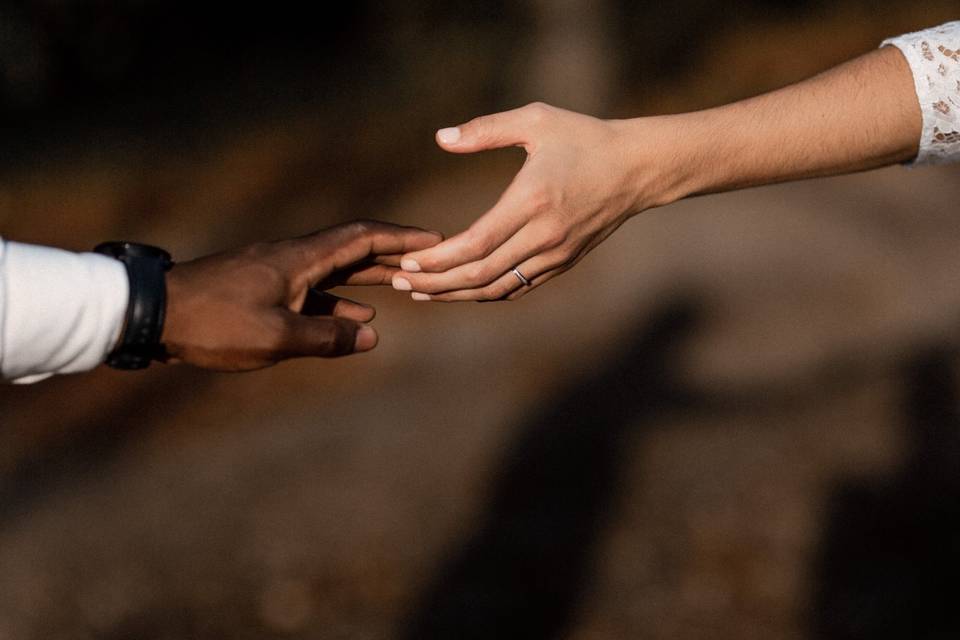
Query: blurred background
{"points": [[738, 418]]}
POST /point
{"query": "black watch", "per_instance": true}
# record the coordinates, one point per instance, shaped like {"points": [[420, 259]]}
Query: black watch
{"points": [[147, 268]]}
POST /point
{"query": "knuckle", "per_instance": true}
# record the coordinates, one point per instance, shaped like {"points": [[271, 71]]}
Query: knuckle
{"points": [[489, 294], [538, 197], [263, 272], [554, 233], [479, 242], [541, 198], [476, 273], [257, 251], [565, 259], [428, 262], [360, 227], [478, 130], [538, 112]]}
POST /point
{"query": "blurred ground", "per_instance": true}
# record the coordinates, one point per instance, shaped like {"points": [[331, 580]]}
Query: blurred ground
{"points": [[735, 419]]}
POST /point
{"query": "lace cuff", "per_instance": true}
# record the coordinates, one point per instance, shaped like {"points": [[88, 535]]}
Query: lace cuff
{"points": [[934, 58]]}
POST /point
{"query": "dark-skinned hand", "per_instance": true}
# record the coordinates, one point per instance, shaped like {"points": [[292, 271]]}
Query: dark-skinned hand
{"points": [[253, 307]]}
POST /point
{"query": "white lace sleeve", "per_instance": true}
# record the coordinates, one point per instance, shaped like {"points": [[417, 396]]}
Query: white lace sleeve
{"points": [[934, 58]]}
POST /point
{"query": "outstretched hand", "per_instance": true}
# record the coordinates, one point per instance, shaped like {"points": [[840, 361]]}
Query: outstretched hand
{"points": [[576, 187], [250, 308]]}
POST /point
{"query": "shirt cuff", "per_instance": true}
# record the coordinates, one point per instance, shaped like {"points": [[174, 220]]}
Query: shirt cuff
{"points": [[934, 59], [60, 312]]}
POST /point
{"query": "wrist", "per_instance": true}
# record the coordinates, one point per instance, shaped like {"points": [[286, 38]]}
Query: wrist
{"points": [[146, 267], [174, 323], [665, 162]]}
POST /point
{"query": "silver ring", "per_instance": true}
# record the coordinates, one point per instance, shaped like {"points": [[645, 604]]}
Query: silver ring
{"points": [[520, 277]]}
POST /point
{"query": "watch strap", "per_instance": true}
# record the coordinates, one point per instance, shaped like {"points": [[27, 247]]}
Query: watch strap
{"points": [[146, 267]]}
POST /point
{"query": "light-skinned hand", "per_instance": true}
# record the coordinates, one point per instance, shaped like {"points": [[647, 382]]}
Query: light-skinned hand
{"points": [[574, 189], [583, 177]]}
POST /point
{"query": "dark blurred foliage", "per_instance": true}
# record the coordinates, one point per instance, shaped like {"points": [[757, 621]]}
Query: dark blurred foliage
{"points": [[75, 64], [81, 54]]}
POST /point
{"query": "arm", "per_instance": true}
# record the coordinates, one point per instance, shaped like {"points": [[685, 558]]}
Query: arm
{"points": [[584, 177], [62, 312], [860, 115]]}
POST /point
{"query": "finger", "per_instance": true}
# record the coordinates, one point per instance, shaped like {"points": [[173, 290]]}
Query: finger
{"points": [[364, 275], [564, 267], [531, 240], [392, 260], [507, 284], [325, 337], [504, 219], [368, 238], [519, 292], [321, 303], [536, 270], [495, 131], [327, 251]]}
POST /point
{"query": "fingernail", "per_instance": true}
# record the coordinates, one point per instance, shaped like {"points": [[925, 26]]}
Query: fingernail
{"points": [[450, 135], [421, 297], [401, 284], [410, 265], [366, 339]]}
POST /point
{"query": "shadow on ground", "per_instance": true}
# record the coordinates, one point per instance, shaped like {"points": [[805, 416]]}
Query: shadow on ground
{"points": [[527, 567], [890, 551]]}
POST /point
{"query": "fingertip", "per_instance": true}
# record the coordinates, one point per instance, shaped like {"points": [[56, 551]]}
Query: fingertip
{"points": [[367, 313], [431, 260], [366, 339], [354, 311], [420, 297], [448, 136], [401, 284], [410, 265]]}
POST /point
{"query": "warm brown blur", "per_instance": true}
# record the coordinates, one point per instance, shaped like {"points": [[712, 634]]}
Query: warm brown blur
{"points": [[738, 418]]}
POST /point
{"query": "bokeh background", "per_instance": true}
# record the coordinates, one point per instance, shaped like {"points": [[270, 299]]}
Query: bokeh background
{"points": [[738, 418]]}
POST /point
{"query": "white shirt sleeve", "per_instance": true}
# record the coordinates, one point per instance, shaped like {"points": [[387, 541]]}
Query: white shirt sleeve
{"points": [[60, 312], [934, 58]]}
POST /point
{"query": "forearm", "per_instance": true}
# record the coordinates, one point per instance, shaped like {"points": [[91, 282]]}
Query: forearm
{"points": [[860, 115]]}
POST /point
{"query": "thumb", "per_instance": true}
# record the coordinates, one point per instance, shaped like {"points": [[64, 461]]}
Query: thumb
{"points": [[326, 336], [506, 129]]}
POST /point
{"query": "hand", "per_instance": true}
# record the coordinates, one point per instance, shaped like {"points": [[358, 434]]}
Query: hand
{"points": [[577, 186], [253, 307]]}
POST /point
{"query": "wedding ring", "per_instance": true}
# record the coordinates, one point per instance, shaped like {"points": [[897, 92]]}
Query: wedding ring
{"points": [[520, 277]]}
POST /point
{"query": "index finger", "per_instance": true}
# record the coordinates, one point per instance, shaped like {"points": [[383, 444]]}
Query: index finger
{"points": [[339, 247]]}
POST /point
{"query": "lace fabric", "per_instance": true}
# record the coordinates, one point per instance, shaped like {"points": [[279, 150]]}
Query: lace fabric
{"points": [[934, 58]]}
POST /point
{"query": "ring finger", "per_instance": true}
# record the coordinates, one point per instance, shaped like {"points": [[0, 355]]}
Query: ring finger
{"points": [[506, 284]]}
